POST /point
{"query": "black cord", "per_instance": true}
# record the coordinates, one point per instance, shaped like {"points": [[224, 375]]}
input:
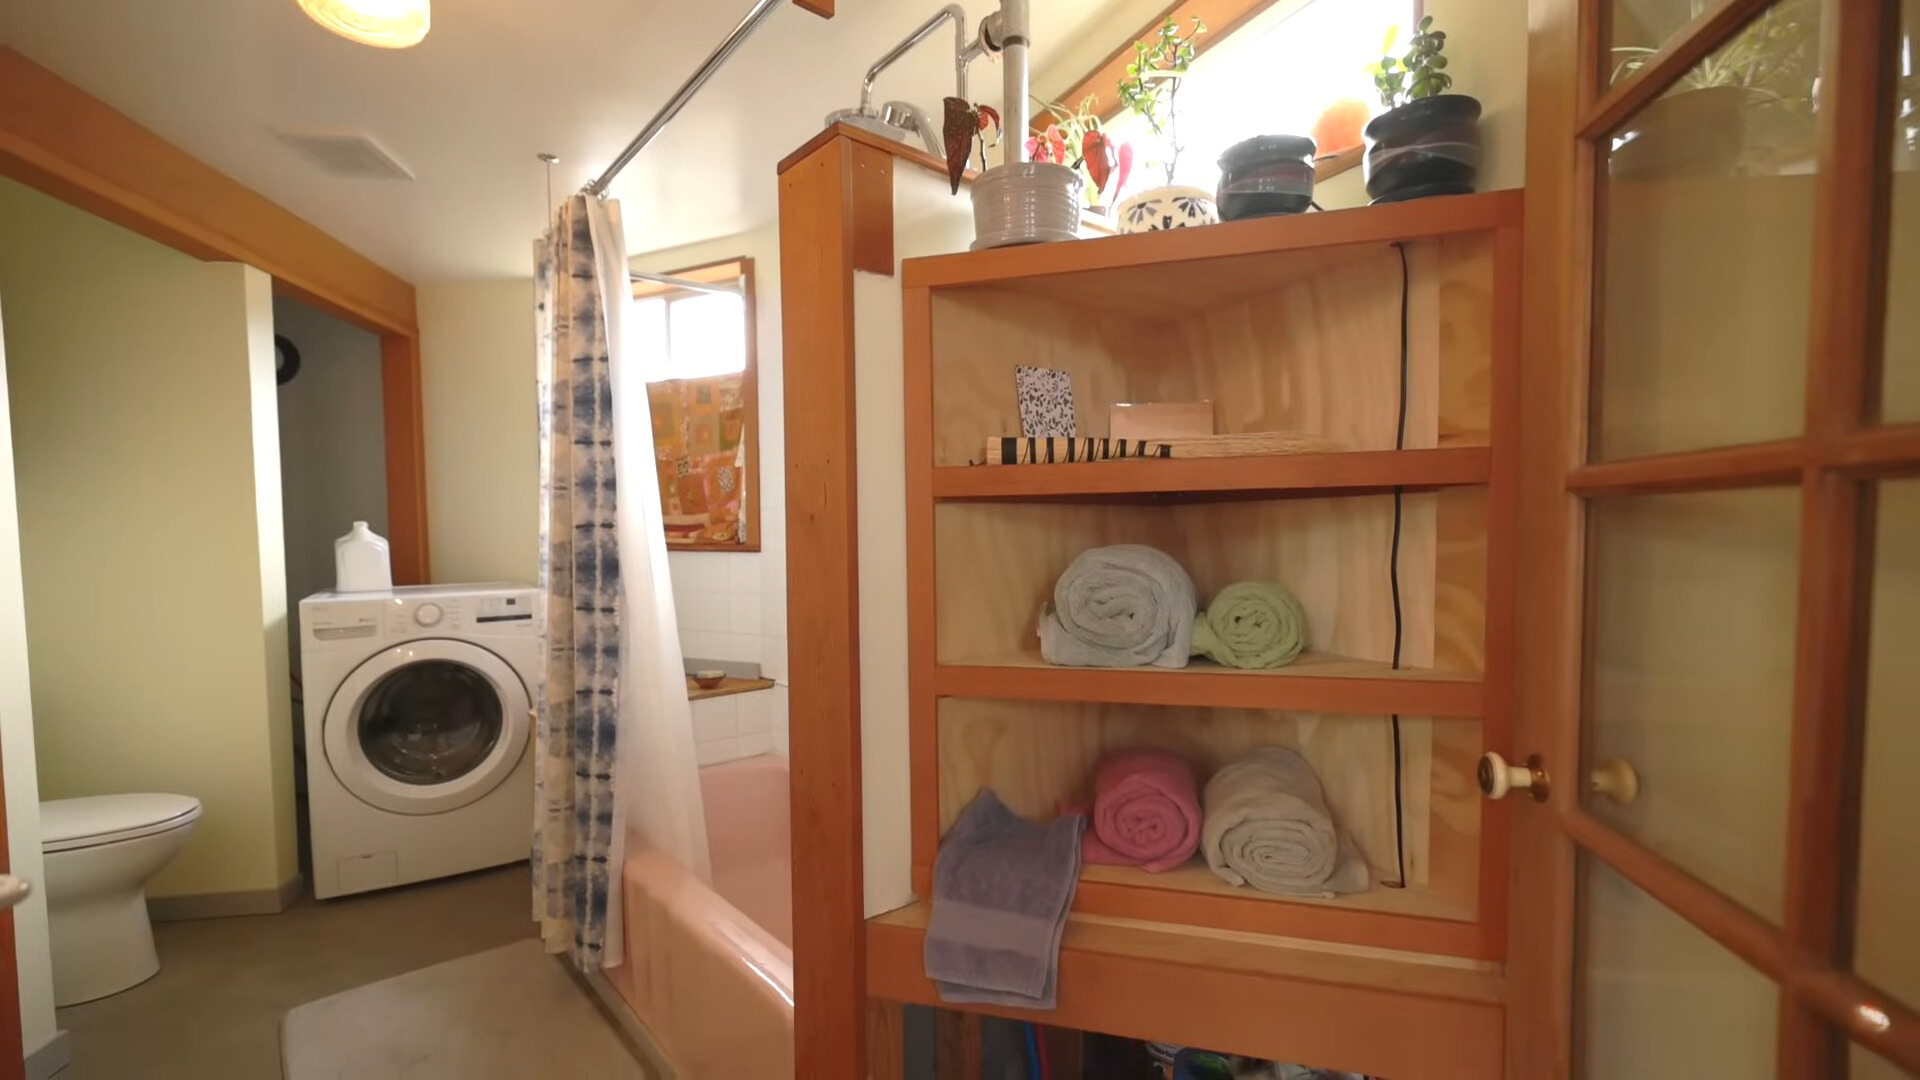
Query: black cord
{"points": [[1393, 576]]}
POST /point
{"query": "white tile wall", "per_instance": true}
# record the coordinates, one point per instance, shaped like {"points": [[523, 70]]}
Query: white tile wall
{"points": [[731, 607], [740, 725]]}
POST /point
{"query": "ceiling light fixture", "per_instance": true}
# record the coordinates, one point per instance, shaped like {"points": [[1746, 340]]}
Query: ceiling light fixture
{"points": [[385, 24]]}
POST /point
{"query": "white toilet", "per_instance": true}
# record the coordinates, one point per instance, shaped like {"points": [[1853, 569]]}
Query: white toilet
{"points": [[101, 851]]}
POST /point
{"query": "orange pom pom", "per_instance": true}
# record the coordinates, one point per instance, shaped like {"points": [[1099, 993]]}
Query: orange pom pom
{"points": [[1339, 127]]}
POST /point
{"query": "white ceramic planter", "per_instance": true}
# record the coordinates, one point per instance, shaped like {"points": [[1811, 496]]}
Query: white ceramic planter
{"points": [[1170, 207], [1025, 203]]}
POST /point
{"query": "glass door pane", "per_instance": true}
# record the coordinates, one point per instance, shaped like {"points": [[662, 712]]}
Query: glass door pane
{"points": [[1900, 391], [1705, 249], [1691, 608], [1658, 998], [1886, 948]]}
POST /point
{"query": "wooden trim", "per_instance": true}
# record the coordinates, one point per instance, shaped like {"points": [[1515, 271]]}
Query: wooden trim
{"points": [[1365, 1010], [61, 140], [12, 1050], [818, 224], [923, 706], [1738, 930], [1222, 18], [1408, 692], [822, 8], [738, 268], [1849, 1004], [1323, 474], [1752, 465], [1413, 220], [1332, 165], [1878, 451], [406, 448], [893, 147], [1853, 197], [1557, 287], [1674, 59]]}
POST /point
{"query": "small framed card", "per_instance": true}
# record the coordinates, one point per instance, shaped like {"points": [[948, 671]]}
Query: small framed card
{"points": [[1046, 402]]}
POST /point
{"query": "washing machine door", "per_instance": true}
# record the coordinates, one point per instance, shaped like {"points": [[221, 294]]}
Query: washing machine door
{"points": [[427, 727]]}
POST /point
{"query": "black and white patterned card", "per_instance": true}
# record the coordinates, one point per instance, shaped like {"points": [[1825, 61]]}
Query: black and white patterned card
{"points": [[1046, 402]]}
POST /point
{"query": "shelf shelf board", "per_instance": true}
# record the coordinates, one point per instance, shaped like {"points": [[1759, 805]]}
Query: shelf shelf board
{"points": [[1275, 475], [1198, 879], [1316, 682], [1317, 238], [1375, 1010]]}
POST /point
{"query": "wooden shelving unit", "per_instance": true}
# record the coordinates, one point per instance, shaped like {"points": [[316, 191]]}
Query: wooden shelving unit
{"points": [[1290, 324]]}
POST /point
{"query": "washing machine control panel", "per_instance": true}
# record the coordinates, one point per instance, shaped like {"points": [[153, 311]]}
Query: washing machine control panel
{"points": [[511, 613], [429, 614]]}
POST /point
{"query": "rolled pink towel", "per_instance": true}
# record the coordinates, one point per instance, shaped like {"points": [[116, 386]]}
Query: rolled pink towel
{"points": [[1146, 811]]}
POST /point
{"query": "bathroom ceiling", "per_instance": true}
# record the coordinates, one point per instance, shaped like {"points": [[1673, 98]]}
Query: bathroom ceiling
{"points": [[495, 83]]}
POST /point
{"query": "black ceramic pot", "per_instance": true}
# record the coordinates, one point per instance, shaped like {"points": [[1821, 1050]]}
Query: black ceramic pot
{"points": [[1267, 174], [1425, 147]]}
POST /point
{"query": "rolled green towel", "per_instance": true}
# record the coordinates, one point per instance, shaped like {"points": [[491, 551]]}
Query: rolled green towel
{"points": [[1251, 624]]}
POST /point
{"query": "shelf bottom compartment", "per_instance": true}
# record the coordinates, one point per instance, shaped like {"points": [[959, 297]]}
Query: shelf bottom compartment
{"points": [[1376, 1011], [1039, 758]]}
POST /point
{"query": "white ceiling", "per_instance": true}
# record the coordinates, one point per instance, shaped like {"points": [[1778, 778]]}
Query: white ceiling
{"points": [[496, 82]]}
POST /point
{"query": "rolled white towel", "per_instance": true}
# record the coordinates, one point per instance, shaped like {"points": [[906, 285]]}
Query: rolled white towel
{"points": [[1267, 825], [1120, 606]]}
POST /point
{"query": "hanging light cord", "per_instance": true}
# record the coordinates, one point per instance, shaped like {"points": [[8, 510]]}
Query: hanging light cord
{"points": [[1393, 576]]}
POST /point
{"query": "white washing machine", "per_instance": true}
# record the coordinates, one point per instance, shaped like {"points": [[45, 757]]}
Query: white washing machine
{"points": [[419, 733]]}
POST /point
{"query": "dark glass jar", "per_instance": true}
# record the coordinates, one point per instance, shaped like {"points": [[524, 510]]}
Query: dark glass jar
{"points": [[1267, 174], [1425, 147]]}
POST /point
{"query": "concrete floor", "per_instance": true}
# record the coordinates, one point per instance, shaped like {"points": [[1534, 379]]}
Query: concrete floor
{"points": [[214, 1011]]}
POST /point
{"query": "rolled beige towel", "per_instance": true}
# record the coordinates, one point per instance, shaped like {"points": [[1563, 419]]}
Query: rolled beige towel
{"points": [[1268, 826]]}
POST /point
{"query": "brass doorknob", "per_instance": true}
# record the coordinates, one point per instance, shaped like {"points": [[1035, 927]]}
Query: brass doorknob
{"points": [[1616, 780], [1498, 778]]}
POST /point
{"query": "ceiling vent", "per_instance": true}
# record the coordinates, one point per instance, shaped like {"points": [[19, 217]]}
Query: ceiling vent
{"points": [[351, 154]]}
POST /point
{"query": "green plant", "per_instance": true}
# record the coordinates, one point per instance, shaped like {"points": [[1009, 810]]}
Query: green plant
{"points": [[1421, 73], [1152, 83], [1100, 159], [1777, 56]]}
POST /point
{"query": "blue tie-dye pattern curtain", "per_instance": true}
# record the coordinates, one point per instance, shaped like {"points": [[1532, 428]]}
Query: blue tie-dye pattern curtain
{"points": [[575, 833]]}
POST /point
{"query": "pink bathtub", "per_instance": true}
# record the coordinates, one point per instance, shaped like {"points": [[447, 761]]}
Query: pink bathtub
{"points": [[710, 971]]}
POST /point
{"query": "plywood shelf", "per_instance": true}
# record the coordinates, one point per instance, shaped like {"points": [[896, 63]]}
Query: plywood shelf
{"points": [[1316, 682], [1197, 879], [1312, 242], [1176, 480], [1277, 997]]}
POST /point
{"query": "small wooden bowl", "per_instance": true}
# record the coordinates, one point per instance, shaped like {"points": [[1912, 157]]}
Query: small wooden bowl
{"points": [[707, 680]]}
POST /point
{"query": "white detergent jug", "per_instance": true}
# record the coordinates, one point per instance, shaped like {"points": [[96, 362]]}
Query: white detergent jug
{"points": [[361, 562]]}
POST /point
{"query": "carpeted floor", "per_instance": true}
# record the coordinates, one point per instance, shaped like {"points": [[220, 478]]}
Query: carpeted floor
{"points": [[505, 1014], [214, 1011]]}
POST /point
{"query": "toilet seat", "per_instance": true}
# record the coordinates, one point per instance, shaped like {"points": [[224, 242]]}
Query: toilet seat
{"points": [[98, 820]]}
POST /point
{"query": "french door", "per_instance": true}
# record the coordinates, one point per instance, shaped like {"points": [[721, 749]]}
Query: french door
{"points": [[1718, 872]]}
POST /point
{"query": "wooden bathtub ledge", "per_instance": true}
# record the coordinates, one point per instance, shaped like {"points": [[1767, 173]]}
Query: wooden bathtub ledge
{"points": [[729, 685], [1377, 1011]]}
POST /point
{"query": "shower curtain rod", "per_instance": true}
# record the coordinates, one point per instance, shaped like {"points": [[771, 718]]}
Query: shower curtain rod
{"points": [[683, 283], [761, 9]]}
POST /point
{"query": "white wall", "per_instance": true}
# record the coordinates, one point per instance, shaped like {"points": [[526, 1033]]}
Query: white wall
{"points": [[483, 459], [146, 461], [333, 444], [31, 955]]}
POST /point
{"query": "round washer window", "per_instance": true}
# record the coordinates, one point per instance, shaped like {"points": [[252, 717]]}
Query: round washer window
{"points": [[430, 722]]}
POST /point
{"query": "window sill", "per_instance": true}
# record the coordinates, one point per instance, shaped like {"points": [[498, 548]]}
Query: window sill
{"points": [[1334, 164]]}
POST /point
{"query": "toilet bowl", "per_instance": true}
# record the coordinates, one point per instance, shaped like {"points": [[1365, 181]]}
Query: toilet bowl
{"points": [[100, 853]]}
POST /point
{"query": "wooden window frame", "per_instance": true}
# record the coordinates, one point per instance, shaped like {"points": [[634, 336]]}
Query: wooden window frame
{"points": [[720, 271], [1833, 464]]}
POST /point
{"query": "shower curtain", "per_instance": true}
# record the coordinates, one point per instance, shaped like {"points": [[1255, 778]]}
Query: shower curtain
{"points": [[614, 742]]}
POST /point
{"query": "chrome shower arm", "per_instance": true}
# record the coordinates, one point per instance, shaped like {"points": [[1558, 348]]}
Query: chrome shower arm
{"points": [[963, 52]]}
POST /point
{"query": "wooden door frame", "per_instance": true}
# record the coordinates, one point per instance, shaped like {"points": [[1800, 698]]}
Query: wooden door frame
{"points": [[1841, 448], [58, 139]]}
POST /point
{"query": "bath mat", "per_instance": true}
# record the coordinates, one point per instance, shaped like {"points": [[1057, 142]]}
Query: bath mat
{"points": [[505, 1014]]}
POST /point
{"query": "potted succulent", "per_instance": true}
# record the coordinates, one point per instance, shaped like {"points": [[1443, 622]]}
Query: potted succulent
{"points": [[1151, 88], [1428, 141], [1018, 202], [1747, 106]]}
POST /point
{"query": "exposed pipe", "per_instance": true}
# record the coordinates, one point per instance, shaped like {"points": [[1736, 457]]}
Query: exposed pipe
{"points": [[1007, 30], [961, 54], [758, 14]]}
